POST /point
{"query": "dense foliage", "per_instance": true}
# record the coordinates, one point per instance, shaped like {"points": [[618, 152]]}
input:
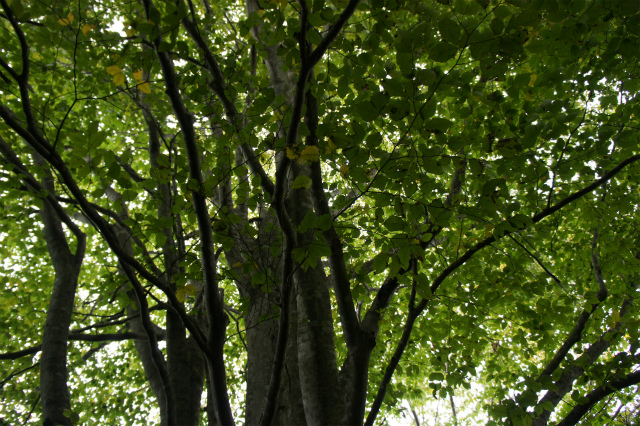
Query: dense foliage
{"points": [[320, 212]]}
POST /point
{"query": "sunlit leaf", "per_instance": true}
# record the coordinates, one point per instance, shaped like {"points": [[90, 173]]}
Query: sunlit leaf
{"points": [[118, 79], [301, 182], [309, 154]]}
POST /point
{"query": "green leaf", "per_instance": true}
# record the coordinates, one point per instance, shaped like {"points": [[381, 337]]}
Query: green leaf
{"points": [[442, 52], [436, 377], [324, 222], [405, 62], [367, 111], [379, 262], [309, 222], [449, 30], [439, 124]]}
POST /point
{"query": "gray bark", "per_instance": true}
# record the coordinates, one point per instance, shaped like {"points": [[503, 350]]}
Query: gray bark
{"points": [[261, 322], [322, 395], [53, 362]]}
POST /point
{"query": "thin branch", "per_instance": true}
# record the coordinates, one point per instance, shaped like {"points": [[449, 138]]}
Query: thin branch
{"points": [[535, 219], [23, 78], [18, 167], [218, 86], [576, 334], [570, 374], [17, 373], [105, 337], [412, 315], [539, 262]]}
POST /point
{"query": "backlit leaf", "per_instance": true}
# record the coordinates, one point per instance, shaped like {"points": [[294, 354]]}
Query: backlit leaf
{"points": [[144, 87], [114, 69], [118, 79], [309, 154], [301, 182]]}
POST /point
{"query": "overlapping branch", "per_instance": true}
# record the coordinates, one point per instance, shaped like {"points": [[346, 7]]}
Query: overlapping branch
{"points": [[465, 257], [213, 296], [597, 395], [576, 333]]}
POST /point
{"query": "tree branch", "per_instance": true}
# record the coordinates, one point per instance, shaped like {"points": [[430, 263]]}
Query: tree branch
{"points": [[412, 315], [463, 259], [576, 334], [105, 337], [339, 274], [538, 261], [565, 383], [213, 296], [18, 168], [597, 395], [218, 86], [333, 32]]}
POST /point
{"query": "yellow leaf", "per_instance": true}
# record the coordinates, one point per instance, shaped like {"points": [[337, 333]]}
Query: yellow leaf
{"points": [[190, 289], [301, 182], [114, 69], [130, 32], [187, 290], [330, 147], [291, 155], [309, 154], [180, 295], [236, 265], [344, 169], [533, 79], [118, 79], [67, 20], [144, 87], [88, 27], [138, 75]]}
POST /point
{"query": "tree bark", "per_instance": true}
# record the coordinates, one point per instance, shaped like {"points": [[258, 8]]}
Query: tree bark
{"points": [[322, 394], [53, 362]]}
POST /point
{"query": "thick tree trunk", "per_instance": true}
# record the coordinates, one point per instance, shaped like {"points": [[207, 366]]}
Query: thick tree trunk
{"points": [[322, 395], [53, 362], [186, 365], [261, 323]]}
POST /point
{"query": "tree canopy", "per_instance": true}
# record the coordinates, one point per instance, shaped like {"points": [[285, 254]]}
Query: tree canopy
{"points": [[319, 211]]}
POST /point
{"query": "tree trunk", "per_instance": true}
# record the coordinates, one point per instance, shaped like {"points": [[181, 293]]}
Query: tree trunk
{"points": [[53, 362]]}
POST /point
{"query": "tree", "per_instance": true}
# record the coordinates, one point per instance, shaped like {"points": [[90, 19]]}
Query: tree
{"points": [[307, 212]]}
